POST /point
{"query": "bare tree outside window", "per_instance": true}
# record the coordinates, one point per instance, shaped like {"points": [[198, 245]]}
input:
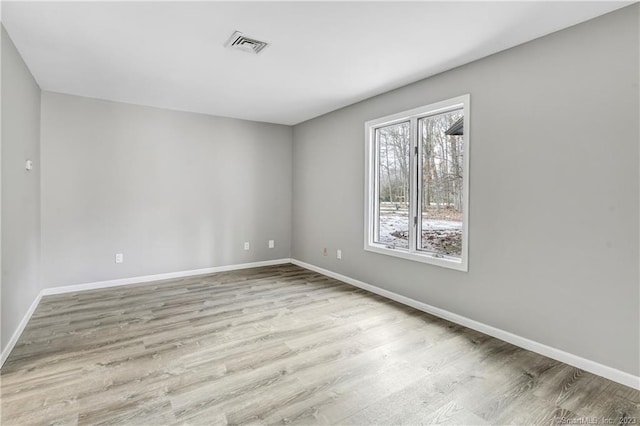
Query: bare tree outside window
{"points": [[441, 165], [394, 146]]}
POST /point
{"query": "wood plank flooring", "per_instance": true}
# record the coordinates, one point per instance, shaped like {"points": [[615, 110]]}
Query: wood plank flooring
{"points": [[280, 345]]}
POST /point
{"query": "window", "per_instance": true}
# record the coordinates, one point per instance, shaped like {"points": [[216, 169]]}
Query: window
{"points": [[417, 184]]}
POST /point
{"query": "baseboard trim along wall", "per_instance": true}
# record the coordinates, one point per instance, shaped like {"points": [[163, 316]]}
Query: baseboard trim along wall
{"points": [[548, 351], [18, 332], [119, 282], [159, 277]]}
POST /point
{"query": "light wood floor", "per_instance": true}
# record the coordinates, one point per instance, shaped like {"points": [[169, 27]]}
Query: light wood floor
{"points": [[281, 345]]}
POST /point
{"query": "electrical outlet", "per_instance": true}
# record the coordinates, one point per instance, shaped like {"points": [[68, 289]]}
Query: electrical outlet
{"points": [[272, 244], [247, 246], [339, 254], [119, 258], [324, 251]]}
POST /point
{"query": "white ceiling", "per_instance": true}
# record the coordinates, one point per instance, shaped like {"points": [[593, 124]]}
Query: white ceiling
{"points": [[323, 55]]}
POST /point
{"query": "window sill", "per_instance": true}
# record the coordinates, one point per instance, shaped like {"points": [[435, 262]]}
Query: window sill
{"points": [[451, 263]]}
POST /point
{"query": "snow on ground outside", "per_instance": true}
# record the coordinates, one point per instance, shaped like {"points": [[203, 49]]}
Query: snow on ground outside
{"points": [[399, 225]]}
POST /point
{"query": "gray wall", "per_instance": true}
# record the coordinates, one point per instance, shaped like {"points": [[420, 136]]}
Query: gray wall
{"points": [[20, 189], [553, 193], [171, 190]]}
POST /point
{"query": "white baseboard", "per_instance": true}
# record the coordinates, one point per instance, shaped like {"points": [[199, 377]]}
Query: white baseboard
{"points": [[119, 282], [158, 277], [557, 354], [16, 334]]}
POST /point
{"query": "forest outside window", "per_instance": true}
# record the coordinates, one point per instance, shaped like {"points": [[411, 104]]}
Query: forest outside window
{"points": [[417, 184]]}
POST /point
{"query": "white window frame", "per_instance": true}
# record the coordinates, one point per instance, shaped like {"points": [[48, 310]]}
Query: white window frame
{"points": [[413, 115]]}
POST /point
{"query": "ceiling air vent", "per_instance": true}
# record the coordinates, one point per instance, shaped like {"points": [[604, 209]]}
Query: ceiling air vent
{"points": [[241, 42]]}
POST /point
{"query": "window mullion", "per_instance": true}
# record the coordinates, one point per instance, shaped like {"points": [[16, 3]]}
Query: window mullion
{"points": [[376, 187], [418, 180], [413, 187]]}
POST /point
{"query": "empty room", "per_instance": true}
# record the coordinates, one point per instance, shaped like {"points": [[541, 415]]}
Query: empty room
{"points": [[339, 213]]}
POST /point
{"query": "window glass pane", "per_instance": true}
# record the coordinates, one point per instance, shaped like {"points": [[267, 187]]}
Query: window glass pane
{"points": [[441, 165], [392, 209]]}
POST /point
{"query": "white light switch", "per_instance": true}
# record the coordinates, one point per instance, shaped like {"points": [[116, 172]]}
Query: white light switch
{"points": [[339, 254], [119, 258], [272, 244], [28, 165]]}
